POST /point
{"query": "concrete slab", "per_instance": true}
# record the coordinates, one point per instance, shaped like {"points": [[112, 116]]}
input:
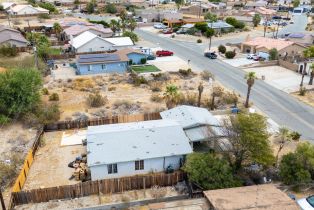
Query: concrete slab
{"points": [[170, 63], [74, 138], [236, 62]]}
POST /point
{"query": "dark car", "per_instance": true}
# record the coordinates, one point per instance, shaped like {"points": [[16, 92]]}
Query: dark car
{"points": [[211, 55], [151, 57]]}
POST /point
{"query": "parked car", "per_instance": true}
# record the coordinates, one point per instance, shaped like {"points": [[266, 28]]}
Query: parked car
{"points": [[250, 56], [181, 31], [167, 31], [306, 203], [151, 57], [159, 26], [211, 55], [256, 58], [284, 24], [160, 53]]}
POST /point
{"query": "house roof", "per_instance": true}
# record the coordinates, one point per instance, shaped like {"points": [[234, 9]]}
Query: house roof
{"points": [[219, 24], [268, 43], [190, 116], [82, 39], [77, 29], [7, 34], [120, 41], [192, 20], [126, 142], [101, 58], [256, 197], [20, 7], [7, 5]]}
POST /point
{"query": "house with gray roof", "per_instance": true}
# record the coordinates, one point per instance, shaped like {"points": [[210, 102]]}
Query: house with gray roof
{"points": [[12, 37], [127, 149], [220, 26]]}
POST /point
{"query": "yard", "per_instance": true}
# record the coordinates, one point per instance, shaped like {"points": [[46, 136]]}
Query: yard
{"points": [[145, 69]]}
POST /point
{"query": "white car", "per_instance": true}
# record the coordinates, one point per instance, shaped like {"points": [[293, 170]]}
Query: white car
{"points": [[250, 56], [160, 26], [307, 203]]}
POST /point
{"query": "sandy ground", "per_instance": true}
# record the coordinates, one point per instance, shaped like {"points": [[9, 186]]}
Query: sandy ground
{"points": [[308, 98], [50, 167]]}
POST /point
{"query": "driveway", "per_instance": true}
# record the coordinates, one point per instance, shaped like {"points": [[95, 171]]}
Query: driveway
{"points": [[170, 63], [237, 62], [280, 78]]}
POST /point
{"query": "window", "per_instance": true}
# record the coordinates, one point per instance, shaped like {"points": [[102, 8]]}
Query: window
{"points": [[90, 67], [139, 165], [103, 66], [112, 168]]}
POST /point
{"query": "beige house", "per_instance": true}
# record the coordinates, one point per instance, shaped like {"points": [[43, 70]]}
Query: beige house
{"points": [[198, 8], [264, 45]]}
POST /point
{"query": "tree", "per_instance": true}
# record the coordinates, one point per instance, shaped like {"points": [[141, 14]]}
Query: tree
{"points": [[48, 6], [210, 17], [232, 21], [132, 36], [248, 137], [273, 54], [209, 33], [309, 53], [111, 8], [250, 79], [200, 89], [57, 29], [179, 3], [230, 54], [312, 74], [285, 138], [132, 24], [222, 49], [19, 91], [216, 92], [256, 19], [202, 26], [114, 26], [296, 3], [209, 172], [171, 96], [90, 7]]}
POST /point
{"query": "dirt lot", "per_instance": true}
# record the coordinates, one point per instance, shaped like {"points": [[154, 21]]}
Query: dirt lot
{"points": [[123, 96], [50, 167], [308, 98]]}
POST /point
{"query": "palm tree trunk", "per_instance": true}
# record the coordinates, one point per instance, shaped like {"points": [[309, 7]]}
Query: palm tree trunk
{"points": [[277, 155], [311, 78], [212, 106], [303, 74], [199, 98], [248, 96], [210, 43]]}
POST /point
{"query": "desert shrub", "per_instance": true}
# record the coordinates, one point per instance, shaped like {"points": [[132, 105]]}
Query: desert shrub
{"points": [[295, 135], [138, 80], [45, 91], [199, 41], [158, 192], [230, 98], [111, 8], [188, 99], [191, 31], [273, 54], [125, 103], [302, 91], [27, 62], [155, 86], [54, 97], [8, 50], [4, 119], [143, 60], [206, 75], [222, 49], [8, 172], [83, 84], [230, 54], [185, 73], [156, 98], [161, 76], [48, 114], [96, 100], [112, 88], [43, 16]]}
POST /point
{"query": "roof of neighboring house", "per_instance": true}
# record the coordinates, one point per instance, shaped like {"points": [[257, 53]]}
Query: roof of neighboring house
{"points": [[193, 20], [256, 4], [126, 142], [101, 58], [219, 24], [188, 25], [7, 5], [268, 43], [296, 35], [80, 28], [265, 11], [120, 41], [256, 197], [7, 34], [20, 7], [83, 38], [190, 116], [127, 51]]}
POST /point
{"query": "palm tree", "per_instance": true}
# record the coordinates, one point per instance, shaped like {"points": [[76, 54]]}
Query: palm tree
{"points": [[285, 137], [217, 92], [250, 79], [312, 74], [132, 24], [114, 26], [171, 95], [209, 33], [200, 91], [57, 29]]}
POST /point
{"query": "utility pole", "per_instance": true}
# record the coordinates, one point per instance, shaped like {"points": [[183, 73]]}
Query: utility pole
{"points": [[9, 21], [36, 56], [2, 201]]}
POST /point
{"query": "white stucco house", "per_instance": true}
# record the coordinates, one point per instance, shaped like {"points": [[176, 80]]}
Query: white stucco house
{"points": [[27, 9], [127, 149], [90, 42]]}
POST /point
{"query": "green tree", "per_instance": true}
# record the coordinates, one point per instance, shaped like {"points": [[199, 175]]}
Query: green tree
{"points": [[57, 29], [273, 54], [232, 21], [202, 26], [222, 49], [114, 26], [132, 36], [90, 7], [292, 170], [132, 24], [210, 17], [209, 34], [48, 6], [309, 53], [209, 171], [250, 80], [296, 3], [171, 96], [111, 8], [179, 3], [284, 138], [19, 91], [248, 137], [256, 19]]}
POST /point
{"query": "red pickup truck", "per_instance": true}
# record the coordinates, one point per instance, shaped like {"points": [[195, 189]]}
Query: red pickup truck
{"points": [[160, 53]]}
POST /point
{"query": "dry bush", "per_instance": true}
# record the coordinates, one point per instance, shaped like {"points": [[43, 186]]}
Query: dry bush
{"points": [[188, 99], [96, 100], [155, 86], [156, 98], [158, 192], [185, 73], [9, 171], [54, 97], [45, 91], [123, 102], [83, 84], [112, 88], [230, 98], [160, 76], [24, 62], [206, 75], [49, 114], [125, 107]]}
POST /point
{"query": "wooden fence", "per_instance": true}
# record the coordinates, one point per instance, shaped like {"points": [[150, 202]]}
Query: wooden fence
{"points": [[105, 186], [75, 124]]}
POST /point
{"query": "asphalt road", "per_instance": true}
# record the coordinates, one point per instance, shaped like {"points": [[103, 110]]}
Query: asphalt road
{"points": [[278, 105]]}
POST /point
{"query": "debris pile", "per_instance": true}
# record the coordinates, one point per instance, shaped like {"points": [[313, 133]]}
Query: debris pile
{"points": [[81, 171]]}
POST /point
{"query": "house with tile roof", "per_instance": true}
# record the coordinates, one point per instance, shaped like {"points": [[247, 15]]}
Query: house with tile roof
{"points": [[264, 44], [10, 36], [27, 9]]}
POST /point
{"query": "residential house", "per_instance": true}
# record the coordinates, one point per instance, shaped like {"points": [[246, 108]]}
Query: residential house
{"points": [[134, 56], [7, 5], [27, 9], [12, 37], [76, 30], [264, 44], [149, 15], [198, 8], [220, 26], [255, 4], [257, 197], [101, 63], [301, 38], [127, 149], [198, 123], [90, 42], [184, 21]]}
